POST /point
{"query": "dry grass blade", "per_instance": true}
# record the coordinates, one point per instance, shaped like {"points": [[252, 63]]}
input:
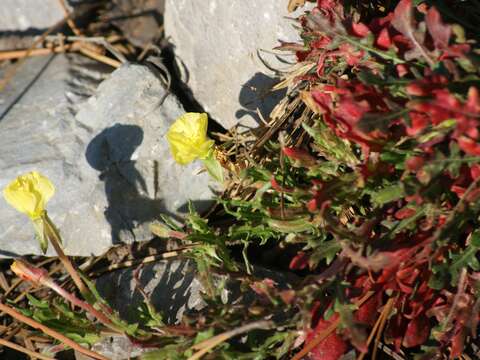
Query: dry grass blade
{"points": [[102, 58], [148, 259], [207, 345], [18, 54], [384, 317], [294, 4], [295, 71], [50, 332], [70, 22], [371, 336], [32, 354]]}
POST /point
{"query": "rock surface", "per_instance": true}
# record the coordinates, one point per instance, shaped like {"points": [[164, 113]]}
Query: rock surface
{"points": [[32, 15], [139, 20], [107, 156], [217, 41], [172, 287]]}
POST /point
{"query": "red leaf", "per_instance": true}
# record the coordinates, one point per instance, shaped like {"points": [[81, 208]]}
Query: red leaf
{"points": [[299, 261], [326, 4], [360, 29], [473, 100], [417, 332], [302, 156], [405, 213], [469, 146], [458, 342], [312, 205], [419, 122], [459, 190], [402, 70], [383, 40], [368, 312], [404, 21], [438, 30], [475, 171], [414, 163], [395, 330], [403, 18], [332, 347], [473, 195]]}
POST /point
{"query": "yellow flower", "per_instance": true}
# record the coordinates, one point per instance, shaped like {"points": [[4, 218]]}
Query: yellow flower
{"points": [[29, 193], [188, 138]]}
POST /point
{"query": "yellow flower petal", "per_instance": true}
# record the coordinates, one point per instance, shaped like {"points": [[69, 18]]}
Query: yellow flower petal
{"points": [[29, 194], [188, 138]]}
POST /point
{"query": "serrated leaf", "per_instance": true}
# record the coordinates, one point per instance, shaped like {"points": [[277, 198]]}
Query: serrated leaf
{"points": [[329, 145], [388, 194]]}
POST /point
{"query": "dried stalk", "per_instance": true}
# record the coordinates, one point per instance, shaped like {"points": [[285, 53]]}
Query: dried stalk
{"points": [[17, 54], [102, 58], [207, 345], [50, 332], [70, 22], [32, 354], [55, 240]]}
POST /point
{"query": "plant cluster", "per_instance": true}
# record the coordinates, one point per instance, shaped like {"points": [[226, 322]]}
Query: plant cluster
{"points": [[372, 175], [365, 185]]}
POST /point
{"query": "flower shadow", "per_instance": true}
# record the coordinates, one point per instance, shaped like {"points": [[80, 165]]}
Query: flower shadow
{"points": [[130, 202]]}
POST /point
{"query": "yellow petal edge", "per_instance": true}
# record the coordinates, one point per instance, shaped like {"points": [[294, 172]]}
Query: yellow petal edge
{"points": [[29, 193], [188, 138]]}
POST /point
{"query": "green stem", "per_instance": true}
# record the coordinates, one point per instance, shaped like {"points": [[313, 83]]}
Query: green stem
{"points": [[56, 240], [81, 304]]}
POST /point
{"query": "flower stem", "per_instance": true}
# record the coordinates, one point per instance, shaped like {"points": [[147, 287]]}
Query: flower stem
{"points": [[55, 240], [81, 304]]}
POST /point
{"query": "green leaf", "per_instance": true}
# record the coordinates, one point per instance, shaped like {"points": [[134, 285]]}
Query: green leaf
{"points": [[37, 303], [327, 250], [214, 168], [167, 352], [204, 335], [291, 226], [464, 259], [388, 194], [329, 145]]}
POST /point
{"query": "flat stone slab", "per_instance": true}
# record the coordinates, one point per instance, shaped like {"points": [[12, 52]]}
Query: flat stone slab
{"points": [[217, 41], [108, 156], [23, 15]]}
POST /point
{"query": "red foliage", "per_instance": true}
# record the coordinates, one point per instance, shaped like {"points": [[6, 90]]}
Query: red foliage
{"points": [[332, 347], [299, 262], [417, 332]]}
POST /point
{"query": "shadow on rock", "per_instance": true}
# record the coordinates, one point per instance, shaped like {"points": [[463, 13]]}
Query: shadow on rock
{"points": [[257, 93], [111, 153], [170, 286]]}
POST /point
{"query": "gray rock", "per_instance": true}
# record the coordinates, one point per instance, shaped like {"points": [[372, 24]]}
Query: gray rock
{"points": [[107, 156], [22, 15], [115, 347], [217, 41], [172, 287], [139, 20]]}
